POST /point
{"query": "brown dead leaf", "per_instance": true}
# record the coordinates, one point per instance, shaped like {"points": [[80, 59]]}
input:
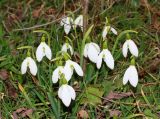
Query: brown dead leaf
{"points": [[37, 12], [113, 113], [141, 73], [116, 96], [12, 92], [22, 112], [51, 11], [154, 66], [4, 74], [82, 114]]}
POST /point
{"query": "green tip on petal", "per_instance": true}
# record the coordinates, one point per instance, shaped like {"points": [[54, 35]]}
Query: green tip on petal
{"points": [[133, 61], [28, 53], [128, 36], [43, 38]]}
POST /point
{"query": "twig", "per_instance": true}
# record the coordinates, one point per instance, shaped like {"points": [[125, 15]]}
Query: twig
{"points": [[37, 26]]}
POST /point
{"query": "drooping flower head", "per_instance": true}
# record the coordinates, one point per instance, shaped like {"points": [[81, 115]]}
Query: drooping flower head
{"points": [[69, 67], [67, 46], [79, 22], [29, 62], [131, 75], [106, 30], [66, 93], [107, 57], [91, 50], [131, 46], [57, 74], [43, 50], [67, 23]]}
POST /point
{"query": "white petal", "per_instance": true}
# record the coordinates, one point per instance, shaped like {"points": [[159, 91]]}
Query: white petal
{"points": [[71, 49], [109, 59], [72, 92], [64, 48], [67, 28], [77, 68], [68, 71], [60, 90], [114, 30], [133, 48], [99, 60], [125, 48], [24, 66], [39, 52], [86, 50], [79, 22], [126, 76], [93, 52], [65, 95], [32, 66], [133, 79], [56, 75], [63, 21], [47, 51], [105, 31]]}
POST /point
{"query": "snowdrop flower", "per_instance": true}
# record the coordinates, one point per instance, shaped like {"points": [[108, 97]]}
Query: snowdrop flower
{"points": [[67, 46], [57, 74], [79, 22], [66, 93], [69, 67], [131, 75], [43, 50], [67, 23], [106, 30], [107, 57], [91, 50], [129, 44], [29, 62]]}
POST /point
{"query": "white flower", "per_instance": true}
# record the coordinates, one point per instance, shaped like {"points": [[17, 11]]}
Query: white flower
{"points": [[69, 67], [131, 75], [91, 50], [66, 93], [67, 23], [43, 50], [107, 57], [79, 22], [106, 30], [129, 44], [67, 46], [57, 73], [29, 62]]}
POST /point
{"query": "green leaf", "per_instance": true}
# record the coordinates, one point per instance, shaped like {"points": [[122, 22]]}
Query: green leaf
{"points": [[92, 95]]}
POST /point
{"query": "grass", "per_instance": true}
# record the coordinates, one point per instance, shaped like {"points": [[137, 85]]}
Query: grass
{"points": [[40, 94]]}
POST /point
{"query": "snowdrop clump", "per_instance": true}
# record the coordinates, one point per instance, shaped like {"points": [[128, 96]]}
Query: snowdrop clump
{"points": [[64, 71]]}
